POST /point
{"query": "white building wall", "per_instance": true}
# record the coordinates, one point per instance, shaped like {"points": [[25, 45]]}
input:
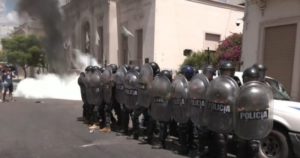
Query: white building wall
{"points": [[136, 15], [182, 24], [277, 12]]}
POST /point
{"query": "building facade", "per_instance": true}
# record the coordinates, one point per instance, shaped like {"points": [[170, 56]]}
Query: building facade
{"points": [[272, 37], [91, 26], [130, 31]]}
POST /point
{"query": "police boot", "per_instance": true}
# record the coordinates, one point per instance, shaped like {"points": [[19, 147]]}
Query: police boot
{"points": [[254, 148], [183, 139]]}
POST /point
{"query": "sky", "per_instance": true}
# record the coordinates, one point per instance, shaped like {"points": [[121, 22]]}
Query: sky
{"points": [[8, 14]]}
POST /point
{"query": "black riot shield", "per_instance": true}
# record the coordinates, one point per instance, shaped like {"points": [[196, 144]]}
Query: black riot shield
{"points": [[131, 87], [106, 80], [89, 88], [160, 93], [119, 81], [221, 96], [197, 99], [82, 85], [145, 80], [253, 114], [179, 92]]}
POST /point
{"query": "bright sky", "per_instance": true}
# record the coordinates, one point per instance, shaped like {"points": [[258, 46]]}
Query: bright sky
{"points": [[8, 15]]}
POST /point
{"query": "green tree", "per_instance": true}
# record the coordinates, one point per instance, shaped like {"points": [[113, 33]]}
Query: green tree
{"points": [[25, 51], [199, 59]]}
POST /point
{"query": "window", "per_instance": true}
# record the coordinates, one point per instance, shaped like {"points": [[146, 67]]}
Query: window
{"points": [[211, 41]]}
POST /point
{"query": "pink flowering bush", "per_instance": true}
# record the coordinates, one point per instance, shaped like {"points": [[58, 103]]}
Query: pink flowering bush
{"points": [[230, 48]]}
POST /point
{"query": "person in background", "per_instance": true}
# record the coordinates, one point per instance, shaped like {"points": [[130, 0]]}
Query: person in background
{"points": [[1, 82], [7, 79]]}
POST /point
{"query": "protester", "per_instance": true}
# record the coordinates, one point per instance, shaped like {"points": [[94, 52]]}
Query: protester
{"points": [[7, 79]]}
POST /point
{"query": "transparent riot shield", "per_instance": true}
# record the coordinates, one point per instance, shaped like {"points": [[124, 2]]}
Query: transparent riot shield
{"points": [[160, 93], [106, 79], [197, 99], [145, 80], [179, 92], [253, 114], [119, 81], [131, 87], [221, 96], [94, 88]]}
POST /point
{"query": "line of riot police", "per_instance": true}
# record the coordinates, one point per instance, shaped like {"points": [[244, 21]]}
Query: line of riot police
{"points": [[214, 106]]}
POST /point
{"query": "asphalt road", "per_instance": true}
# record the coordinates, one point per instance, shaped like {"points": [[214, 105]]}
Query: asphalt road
{"points": [[50, 130]]}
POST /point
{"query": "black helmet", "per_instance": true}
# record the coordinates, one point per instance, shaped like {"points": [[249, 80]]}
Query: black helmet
{"points": [[209, 71], [127, 67], [114, 68], [188, 72], [227, 68], [155, 68], [167, 73], [96, 68], [89, 69], [251, 74], [262, 71], [102, 69]]}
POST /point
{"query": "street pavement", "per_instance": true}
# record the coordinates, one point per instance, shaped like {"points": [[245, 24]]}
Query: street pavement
{"points": [[49, 129]]}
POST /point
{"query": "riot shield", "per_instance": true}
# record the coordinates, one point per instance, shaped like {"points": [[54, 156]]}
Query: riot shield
{"points": [[179, 92], [131, 86], [96, 89], [145, 79], [221, 96], [82, 85], [197, 99], [160, 93], [106, 80], [253, 114], [119, 81], [89, 88]]}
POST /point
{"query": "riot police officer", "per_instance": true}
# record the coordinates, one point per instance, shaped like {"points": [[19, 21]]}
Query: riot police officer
{"points": [[197, 89], [109, 99], [120, 95], [81, 83], [160, 109], [221, 96], [253, 118], [130, 89], [147, 73], [180, 108], [88, 110]]}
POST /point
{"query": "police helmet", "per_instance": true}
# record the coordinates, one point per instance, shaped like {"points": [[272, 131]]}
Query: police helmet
{"points": [[114, 68], [127, 67], [251, 74], [89, 69], [209, 71], [227, 68], [167, 73], [262, 71], [102, 69], [155, 68], [96, 68], [188, 72]]}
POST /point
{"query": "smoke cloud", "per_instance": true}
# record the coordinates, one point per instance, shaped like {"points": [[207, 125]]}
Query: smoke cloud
{"points": [[55, 86], [47, 12]]}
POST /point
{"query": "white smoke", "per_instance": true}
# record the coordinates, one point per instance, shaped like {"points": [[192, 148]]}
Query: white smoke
{"points": [[53, 86]]}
